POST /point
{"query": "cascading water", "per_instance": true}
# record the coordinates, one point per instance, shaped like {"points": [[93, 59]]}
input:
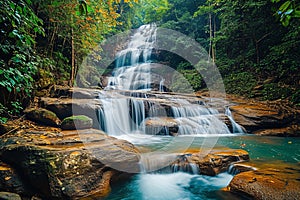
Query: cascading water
{"points": [[125, 111], [134, 96], [133, 64], [236, 128]]}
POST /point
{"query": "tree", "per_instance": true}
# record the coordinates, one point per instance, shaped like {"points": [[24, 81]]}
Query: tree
{"points": [[210, 8], [18, 60], [74, 28]]}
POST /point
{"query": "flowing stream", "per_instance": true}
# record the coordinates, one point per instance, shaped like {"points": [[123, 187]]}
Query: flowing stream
{"points": [[135, 107]]}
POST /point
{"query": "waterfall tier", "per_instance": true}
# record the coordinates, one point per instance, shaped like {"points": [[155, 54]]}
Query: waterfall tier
{"points": [[130, 105]]}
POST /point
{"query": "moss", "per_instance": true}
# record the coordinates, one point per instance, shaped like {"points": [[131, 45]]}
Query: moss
{"points": [[43, 116], [77, 122]]}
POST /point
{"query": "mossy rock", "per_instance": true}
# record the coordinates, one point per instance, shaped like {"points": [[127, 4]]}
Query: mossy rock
{"points": [[77, 122], [42, 116]]}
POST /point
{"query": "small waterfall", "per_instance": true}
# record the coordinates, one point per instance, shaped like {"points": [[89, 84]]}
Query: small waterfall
{"points": [[154, 162], [116, 114], [138, 115], [161, 85], [197, 119], [133, 66], [237, 168], [236, 128], [183, 165]]}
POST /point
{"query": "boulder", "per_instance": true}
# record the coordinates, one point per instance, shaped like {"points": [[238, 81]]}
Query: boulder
{"points": [[67, 107], [161, 126], [267, 183], [77, 122], [43, 116], [68, 164], [210, 164], [267, 118]]}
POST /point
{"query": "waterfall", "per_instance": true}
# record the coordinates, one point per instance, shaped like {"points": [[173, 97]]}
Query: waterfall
{"points": [[117, 118], [133, 63], [161, 85], [129, 100], [197, 119], [236, 128], [138, 115]]}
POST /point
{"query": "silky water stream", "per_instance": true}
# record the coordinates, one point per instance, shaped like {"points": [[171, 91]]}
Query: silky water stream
{"points": [[137, 108]]}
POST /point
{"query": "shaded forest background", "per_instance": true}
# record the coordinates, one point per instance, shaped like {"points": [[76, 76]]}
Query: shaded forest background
{"points": [[255, 44]]}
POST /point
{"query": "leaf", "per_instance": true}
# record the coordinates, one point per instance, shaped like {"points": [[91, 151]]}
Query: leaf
{"points": [[285, 6]]}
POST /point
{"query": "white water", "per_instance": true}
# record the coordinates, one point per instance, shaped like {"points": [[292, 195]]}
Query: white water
{"points": [[197, 119], [127, 113], [236, 128], [133, 63], [176, 186]]}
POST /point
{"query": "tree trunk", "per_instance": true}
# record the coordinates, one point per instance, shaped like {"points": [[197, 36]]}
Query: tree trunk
{"points": [[72, 60], [214, 43], [210, 36]]}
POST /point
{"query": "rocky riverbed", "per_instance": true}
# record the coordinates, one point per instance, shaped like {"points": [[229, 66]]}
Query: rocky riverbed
{"points": [[50, 154]]}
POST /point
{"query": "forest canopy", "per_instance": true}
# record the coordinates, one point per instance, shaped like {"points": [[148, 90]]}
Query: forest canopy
{"points": [[255, 44]]}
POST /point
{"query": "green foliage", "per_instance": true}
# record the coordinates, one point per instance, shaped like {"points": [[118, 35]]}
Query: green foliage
{"points": [[152, 10], [18, 61], [295, 98], [240, 83], [273, 91], [287, 10], [3, 119]]}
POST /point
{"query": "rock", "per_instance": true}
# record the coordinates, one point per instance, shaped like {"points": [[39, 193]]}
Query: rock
{"points": [[267, 184], [212, 163], [42, 116], [4, 128], [76, 93], [237, 168], [58, 91], [9, 196], [67, 107], [267, 118], [161, 126], [76, 122], [11, 181], [69, 164], [292, 131]]}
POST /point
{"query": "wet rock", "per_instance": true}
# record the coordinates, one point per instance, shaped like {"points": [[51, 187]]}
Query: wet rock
{"points": [[43, 116], [76, 122], [161, 126], [267, 184], [9, 196], [262, 118], [237, 168], [292, 131], [212, 163], [69, 164]]}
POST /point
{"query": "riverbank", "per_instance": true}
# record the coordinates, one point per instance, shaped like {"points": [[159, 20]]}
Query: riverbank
{"points": [[49, 145]]}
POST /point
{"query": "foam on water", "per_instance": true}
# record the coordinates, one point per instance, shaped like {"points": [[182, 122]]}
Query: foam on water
{"points": [[176, 186]]}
